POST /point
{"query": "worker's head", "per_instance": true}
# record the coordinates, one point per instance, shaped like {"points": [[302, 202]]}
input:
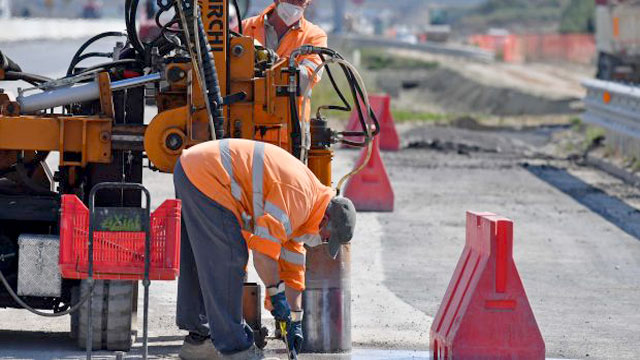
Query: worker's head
{"points": [[291, 11], [338, 224]]}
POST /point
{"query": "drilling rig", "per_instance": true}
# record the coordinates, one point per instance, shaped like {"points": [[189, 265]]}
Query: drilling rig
{"points": [[207, 82]]}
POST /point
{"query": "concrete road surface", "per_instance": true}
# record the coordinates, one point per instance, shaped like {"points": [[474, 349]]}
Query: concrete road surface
{"points": [[576, 244]]}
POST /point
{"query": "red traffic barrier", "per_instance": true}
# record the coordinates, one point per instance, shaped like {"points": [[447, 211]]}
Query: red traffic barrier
{"points": [[485, 313], [370, 189], [381, 106]]}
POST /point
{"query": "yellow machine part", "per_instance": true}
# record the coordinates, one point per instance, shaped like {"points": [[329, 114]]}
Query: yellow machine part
{"points": [[170, 132], [320, 164], [80, 140]]}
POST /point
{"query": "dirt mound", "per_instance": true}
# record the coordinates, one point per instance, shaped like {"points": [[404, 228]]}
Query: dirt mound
{"points": [[456, 93]]}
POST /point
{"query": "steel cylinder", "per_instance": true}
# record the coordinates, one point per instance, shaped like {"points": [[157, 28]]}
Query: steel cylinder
{"points": [[77, 94], [58, 97], [327, 298], [327, 301]]}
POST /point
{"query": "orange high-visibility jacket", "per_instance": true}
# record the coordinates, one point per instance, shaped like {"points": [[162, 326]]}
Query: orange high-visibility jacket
{"points": [[304, 33], [278, 201]]}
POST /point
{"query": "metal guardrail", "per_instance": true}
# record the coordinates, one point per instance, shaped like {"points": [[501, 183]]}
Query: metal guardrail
{"points": [[468, 52], [613, 106]]}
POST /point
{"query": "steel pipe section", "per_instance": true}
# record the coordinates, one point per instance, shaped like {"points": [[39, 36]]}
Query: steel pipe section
{"points": [[327, 301], [77, 94]]}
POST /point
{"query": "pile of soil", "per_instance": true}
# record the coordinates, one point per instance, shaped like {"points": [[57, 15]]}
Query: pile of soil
{"points": [[455, 93]]}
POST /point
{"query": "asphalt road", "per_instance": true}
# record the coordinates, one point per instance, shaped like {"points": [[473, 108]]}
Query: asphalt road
{"points": [[576, 246]]}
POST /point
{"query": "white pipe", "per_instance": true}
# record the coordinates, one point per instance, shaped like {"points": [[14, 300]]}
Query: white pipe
{"points": [[77, 94]]}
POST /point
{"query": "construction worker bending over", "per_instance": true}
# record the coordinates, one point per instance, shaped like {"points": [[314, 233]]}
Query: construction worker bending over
{"points": [[238, 194]]}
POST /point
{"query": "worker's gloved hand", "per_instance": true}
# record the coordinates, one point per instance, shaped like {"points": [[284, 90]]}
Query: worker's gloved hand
{"points": [[281, 310], [294, 332]]}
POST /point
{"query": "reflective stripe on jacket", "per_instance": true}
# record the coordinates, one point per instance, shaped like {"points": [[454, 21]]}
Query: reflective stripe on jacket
{"points": [[275, 197]]}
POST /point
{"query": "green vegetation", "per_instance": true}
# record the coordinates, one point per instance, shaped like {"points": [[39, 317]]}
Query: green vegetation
{"points": [[401, 116], [121, 223], [568, 16], [575, 121], [592, 135], [505, 12], [578, 17], [377, 59]]}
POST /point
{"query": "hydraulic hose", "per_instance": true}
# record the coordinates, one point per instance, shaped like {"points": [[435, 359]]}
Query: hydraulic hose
{"points": [[212, 83], [19, 301], [7, 64], [296, 132], [357, 86], [84, 46], [131, 10], [358, 91], [239, 15], [30, 78]]}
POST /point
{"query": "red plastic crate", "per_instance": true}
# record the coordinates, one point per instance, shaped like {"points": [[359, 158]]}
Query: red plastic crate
{"points": [[119, 255]]}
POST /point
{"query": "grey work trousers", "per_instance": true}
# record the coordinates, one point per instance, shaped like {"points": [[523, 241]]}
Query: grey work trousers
{"points": [[213, 258]]}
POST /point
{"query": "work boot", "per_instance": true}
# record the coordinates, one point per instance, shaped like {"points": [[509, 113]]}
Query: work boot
{"points": [[252, 353], [198, 347]]}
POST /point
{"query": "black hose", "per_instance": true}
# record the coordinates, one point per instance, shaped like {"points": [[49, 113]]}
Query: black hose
{"points": [[212, 83], [19, 301], [346, 106], [372, 114], [296, 132], [110, 65], [86, 56], [87, 44], [131, 11], [30, 78], [357, 102], [25, 177], [239, 15], [169, 44], [7, 64], [357, 95]]}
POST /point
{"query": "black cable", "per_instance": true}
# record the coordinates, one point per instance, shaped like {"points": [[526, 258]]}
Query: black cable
{"points": [[19, 301], [372, 114], [170, 26], [239, 15], [88, 43], [296, 133], [346, 106], [110, 65], [86, 56], [357, 94], [163, 32], [7, 64], [131, 11], [25, 174], [212, 83], [30, 78], [358, 104]]}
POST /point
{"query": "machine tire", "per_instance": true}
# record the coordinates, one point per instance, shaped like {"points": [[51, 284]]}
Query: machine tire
{"points": [[114, 310]]}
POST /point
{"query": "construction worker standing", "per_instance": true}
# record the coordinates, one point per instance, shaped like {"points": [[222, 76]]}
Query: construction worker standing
{"points": [[238, 194], [282, 28]]}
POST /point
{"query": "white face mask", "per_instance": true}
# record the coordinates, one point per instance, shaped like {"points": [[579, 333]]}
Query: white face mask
{"points": [[289, 13]]}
